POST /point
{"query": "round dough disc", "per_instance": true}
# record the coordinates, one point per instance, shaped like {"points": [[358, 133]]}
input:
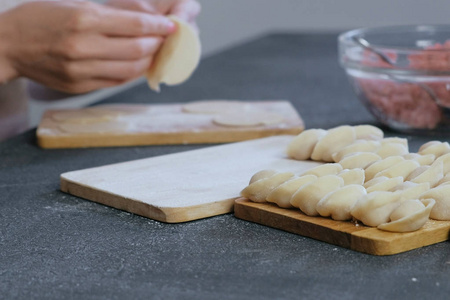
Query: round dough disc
{"points": [[248, 119], [177, 58], [215, 107]]}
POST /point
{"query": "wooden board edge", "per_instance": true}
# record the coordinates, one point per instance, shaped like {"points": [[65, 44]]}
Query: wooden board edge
{"points": [[344, 234], [162, 214], [147, 139]]}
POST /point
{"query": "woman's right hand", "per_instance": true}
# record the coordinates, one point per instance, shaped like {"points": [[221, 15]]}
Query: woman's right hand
{"points": [[78, 46]]}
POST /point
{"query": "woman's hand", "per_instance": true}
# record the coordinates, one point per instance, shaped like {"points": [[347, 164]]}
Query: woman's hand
{"points": [[186, 10], [78, 46]]}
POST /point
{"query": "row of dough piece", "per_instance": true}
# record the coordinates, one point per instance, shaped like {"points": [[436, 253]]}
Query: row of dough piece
{"points": [[335, 144], [387, 203]]}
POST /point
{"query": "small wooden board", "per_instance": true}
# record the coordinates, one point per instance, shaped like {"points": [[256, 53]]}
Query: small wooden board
{"points": [[157, 124], [183, 186], [345, 234]]}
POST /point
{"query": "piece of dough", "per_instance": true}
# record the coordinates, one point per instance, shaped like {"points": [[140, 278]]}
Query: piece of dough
{"points": [[302, 145], [368, 132], [352, 176], [403, 169], [423, 160], [445, 159], [335, 139], [339, 203], [435, 147], [359, 160], [325, 169], [441, 210], [409, 216], [375, 208], [261, 175], [216, 107], [392, 149], [381, 165], [244, 119], [382, 183], [258, 190], [395, 140], [357, 146], [307, 197], [177, 58], [431, 174], [282, 194], [409, 190]]}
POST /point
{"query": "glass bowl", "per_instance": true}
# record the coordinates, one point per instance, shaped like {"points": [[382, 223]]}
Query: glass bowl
{"points": [[401, 74]]}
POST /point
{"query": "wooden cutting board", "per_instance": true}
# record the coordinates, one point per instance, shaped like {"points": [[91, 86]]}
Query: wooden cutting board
{"points": [[155, 124], [203, 183], [345, 234], [184, 186]]}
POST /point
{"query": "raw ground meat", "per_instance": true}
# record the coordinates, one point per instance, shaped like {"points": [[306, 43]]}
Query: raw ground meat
{"points": [[406, 102]]}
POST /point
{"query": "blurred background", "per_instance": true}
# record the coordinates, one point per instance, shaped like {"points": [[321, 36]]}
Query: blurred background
{"points": [[226, 23]]}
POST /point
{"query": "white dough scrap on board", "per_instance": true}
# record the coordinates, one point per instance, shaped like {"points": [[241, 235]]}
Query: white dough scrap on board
{"points": [[177, 58]]}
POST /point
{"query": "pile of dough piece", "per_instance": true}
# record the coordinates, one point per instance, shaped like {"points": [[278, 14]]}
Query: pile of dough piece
{"points": [[366, 177]]}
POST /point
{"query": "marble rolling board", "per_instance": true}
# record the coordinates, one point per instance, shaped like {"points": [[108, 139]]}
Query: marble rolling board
{"points": [[183, 186], [350, 235], [158, 124]]}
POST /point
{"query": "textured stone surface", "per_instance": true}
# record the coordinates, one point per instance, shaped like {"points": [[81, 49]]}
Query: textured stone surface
{"points": [[56, 246]]}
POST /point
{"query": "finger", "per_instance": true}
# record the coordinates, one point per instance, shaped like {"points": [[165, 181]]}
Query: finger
{"points": [[187, 10], [106, 69], [134, 5], [86, 86], [116, 22], [76, 87], [107, 48]]}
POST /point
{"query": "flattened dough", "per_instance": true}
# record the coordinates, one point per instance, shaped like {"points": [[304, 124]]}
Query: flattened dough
{"points": [[215, 106], [177, 58], [244, 119]]}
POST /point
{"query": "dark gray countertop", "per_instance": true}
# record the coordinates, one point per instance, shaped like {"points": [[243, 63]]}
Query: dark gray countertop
{"points": [[57, 246]]}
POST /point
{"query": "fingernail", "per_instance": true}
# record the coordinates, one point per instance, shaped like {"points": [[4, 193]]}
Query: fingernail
{"points": [[171, 27]]}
